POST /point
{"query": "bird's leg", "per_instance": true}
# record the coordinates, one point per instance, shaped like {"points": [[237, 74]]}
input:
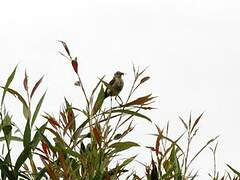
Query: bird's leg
{"points": [[121, 103], [111, 102]]}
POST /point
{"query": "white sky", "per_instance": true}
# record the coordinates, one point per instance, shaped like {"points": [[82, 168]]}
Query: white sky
{"points": [[192, 47]]}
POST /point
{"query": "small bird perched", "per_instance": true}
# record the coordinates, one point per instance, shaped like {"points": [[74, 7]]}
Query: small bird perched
{"points": [[113, 88], [115, 85]]}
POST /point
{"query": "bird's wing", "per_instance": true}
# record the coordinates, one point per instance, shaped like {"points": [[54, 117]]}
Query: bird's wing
{"points": [[111, 82]]}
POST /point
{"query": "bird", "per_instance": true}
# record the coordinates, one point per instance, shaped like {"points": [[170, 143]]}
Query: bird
{"points": [[115, 85]]}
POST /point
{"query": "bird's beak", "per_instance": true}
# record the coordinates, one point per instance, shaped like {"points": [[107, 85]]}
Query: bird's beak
{"points": [[122, 73]]}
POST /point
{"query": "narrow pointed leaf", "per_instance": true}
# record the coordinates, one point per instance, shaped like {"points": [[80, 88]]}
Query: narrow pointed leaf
{"points": [[134, 113], [36, 86], [196, 121], [75, 65], [183, 122], [25, 81], [27, 134], [98, 104], [140, 101], [35, 114], [66, 48], [16, 94], [26, 153], [97, 135], [13, 138], [144, 79], [9, 80], [121, 146], [234, 170]]}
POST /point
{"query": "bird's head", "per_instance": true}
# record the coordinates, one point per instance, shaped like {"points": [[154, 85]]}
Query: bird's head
{"points": [[118, 74]]}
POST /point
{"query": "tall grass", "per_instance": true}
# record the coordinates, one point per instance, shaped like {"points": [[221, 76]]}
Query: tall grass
{"points": [[84, 143]]}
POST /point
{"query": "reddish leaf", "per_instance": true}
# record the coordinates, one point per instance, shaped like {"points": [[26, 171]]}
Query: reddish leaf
{"points": [[141, 101], [157, 146], [70, 115], [36, 86], [70, 121], [151, 148], [45, 148], [64, 166], [52, 121], [63, 117], [97, 135], [75, 65]]}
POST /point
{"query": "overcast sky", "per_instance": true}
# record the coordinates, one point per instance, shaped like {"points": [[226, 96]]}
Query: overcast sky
{"points": [[191, 46]]}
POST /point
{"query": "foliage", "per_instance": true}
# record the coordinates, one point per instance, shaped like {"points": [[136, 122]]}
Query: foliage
{"points": [[83, 143]]}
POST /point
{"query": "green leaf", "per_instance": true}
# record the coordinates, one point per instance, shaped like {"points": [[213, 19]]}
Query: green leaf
{"points": [[37, 136], [41, 174], [154, 172], [75, 167], [127, 161], [53, 148], [134, 113], [26, 153], [9, 80], [121, 146], [99, 101], [22, 158], [234, 170], [7, 128], [175, 163], [27, 134], [26, 112], [21, 99], [79, 130], [5, 172], [37, 109], [13, 138], [71, 152]]}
